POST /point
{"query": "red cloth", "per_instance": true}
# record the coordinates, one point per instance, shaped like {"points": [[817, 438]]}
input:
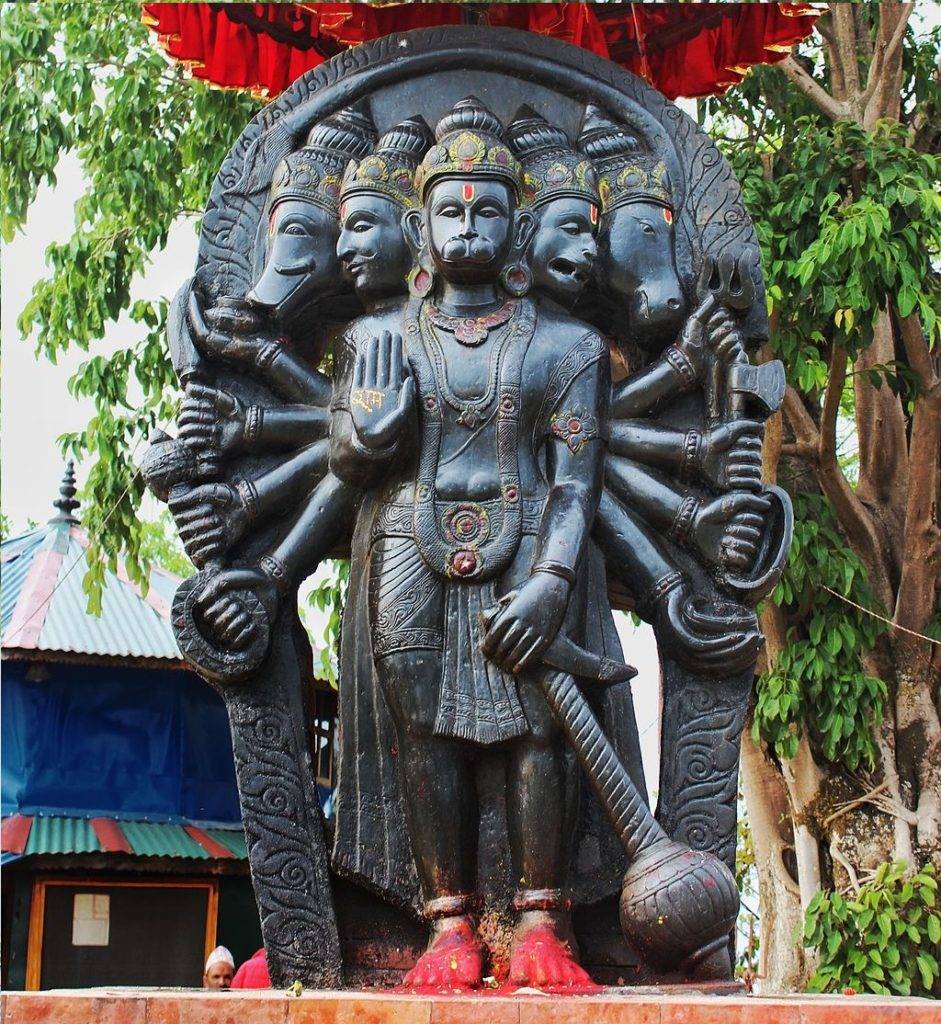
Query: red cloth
{"points": [[253, 973], [681, 49]]}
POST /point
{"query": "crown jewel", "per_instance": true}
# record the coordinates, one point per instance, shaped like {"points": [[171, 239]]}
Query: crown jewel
{"points": [[314, 172], [390, 170], [470, 141], [627, 172], [551, 168]]}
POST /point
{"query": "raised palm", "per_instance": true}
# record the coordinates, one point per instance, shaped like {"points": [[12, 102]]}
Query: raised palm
{"points": [[382, 391]]}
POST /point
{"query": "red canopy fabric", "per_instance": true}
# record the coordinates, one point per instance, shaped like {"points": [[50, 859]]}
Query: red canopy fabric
{"points": [[694, 49]]}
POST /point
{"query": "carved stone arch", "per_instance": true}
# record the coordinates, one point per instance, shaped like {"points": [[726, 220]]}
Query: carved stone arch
{"points": [[425, 72]]}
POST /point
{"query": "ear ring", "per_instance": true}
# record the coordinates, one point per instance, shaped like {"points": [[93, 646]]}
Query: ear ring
{"points": [[421, 278], [516, 278]]}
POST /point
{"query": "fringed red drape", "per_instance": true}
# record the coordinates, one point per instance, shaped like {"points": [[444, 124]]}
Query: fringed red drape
{"points": [[682, 49]]}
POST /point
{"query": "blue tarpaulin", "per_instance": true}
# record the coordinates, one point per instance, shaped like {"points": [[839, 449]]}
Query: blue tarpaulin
{"points": [[122, 742]]}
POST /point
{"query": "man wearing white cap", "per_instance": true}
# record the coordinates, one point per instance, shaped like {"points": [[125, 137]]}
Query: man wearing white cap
{"points": [[220, 967]]}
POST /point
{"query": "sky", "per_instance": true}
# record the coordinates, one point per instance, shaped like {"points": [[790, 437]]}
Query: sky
{"points": [[37, 407]]}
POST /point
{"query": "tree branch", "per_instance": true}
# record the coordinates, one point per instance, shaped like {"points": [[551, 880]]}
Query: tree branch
{"points": [[884, 53], [824, 26], [799, 450], [844, 24], [919, 356], [834, 109], [850, 512], [836, 378], [805, 430], [921, 564]]}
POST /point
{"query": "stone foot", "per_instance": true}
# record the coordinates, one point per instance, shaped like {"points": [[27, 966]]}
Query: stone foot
{"points": [[453, 962], [542, 956]]}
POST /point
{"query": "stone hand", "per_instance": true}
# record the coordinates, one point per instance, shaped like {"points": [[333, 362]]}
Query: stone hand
{"points": [[224, 613], [723, 338], [702, 640], [726, 530], [210, 518], [527, 623], [705, 323], [232, 331], [212, 420], [731, 455], [382, 391]]}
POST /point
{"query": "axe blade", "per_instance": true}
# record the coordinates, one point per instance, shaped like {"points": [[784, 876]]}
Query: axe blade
{"points": [[764, 384]]}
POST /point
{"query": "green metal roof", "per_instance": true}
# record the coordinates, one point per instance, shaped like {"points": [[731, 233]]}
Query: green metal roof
{"points": [[59, 835], [231, 839], [151, 839]]}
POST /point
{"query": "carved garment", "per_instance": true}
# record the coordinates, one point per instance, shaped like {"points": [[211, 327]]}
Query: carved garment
{"points": [[371, 840]]}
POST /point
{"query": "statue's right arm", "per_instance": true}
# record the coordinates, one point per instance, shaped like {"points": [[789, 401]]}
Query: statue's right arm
{"points": [[289, 426], [322, 522], [237, 334], [275, 577], [290, 378], [213, 516], [375, 378]]}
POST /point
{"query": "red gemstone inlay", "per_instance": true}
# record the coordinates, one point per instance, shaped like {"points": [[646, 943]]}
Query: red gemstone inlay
{"points": [[464, 563]]}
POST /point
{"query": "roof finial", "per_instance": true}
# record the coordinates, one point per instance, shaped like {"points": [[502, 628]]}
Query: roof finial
{"points": [[66, 503]]}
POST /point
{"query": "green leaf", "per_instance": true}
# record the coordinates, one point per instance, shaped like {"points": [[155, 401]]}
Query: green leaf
{"points": [[927, 971]]}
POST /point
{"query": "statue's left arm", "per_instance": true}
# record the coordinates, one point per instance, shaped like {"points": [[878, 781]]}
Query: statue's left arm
{"points": [[575, 432]]}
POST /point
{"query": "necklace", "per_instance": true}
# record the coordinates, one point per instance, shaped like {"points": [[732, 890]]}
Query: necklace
{"points": [[462, 541], [471, 330], [471, 411]]}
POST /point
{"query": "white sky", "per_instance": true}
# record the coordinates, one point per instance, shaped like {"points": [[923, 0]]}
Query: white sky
{"points": [[37, 407]]}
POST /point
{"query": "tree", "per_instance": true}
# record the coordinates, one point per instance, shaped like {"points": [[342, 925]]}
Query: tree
{"points": [[837, 150], [160, 545], [86, 78]]}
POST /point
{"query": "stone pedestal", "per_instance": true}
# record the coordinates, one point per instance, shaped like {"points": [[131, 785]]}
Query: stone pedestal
{"points": [[667, 1005]]}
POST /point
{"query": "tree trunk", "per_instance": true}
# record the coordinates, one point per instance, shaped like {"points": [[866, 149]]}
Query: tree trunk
{"points": [[782, 962], [815, 824]]}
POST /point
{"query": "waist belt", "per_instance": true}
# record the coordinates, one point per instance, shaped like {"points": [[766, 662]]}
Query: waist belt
{"points": [[396, 519]]}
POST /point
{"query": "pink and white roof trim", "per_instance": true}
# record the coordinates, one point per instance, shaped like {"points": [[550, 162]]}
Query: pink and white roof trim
{"points": [[44, 608]]}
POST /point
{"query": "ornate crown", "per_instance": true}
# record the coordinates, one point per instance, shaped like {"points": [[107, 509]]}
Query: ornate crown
{"points": [[627, 173], [390, 171], [469, 142], [551, 168], [314, 172]]}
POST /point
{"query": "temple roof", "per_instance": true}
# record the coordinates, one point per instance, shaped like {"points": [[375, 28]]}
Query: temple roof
{"points": [[43, 607]]}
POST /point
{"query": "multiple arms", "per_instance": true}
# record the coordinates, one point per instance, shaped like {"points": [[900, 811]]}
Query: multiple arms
{"points": [[374, 398]]}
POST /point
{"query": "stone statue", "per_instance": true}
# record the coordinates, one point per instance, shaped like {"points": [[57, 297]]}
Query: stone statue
{"points": [[503, 367]]}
